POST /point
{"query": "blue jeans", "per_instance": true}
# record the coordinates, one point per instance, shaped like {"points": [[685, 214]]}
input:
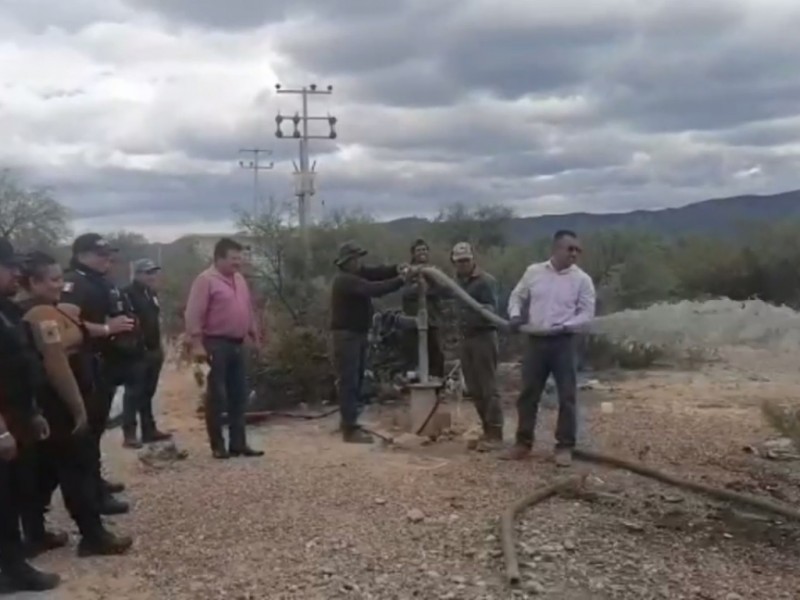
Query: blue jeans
{"points": [[227, 392], [349, 361]]}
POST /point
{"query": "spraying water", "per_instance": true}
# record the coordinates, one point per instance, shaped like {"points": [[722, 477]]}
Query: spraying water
{"points": [[710, 324]]}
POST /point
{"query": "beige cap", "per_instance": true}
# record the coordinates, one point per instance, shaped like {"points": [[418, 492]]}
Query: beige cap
{"points": [[461, 251]]}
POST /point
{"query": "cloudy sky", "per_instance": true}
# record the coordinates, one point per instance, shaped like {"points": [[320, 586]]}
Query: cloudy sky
{"points": [[133, 111]]}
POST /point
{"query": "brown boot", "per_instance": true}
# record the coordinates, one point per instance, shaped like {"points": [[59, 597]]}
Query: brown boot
{"points": [[356, 436], [563, 457], [516, 452], [129, 440]]}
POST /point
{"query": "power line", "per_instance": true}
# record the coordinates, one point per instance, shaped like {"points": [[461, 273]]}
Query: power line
{"points": [[255, 166], [304, 174]]}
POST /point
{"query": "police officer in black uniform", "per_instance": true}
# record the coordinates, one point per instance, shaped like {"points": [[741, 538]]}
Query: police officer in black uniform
{"points": [[20, 422], [116, 342], [141, 388]]}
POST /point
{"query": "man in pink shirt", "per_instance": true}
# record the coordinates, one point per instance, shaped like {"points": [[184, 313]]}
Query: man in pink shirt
{"points": [[220, 324], [560, 299]]}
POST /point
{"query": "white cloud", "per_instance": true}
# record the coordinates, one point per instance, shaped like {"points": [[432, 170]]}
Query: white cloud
{"points": [[134, 111]]}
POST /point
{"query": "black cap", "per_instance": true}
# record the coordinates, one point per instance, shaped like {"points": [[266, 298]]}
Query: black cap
{"points": [[347, 251], [92, 242], [8, 257]]}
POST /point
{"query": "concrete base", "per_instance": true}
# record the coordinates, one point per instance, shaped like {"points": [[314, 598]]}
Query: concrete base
{"points": [[422, 401]]}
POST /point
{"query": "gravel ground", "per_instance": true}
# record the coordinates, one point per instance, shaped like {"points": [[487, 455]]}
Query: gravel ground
{"points": [[317, 519]]}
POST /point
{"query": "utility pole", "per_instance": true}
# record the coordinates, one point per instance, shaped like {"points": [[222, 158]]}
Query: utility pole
{"points": [[255, 166], [304, 174]]}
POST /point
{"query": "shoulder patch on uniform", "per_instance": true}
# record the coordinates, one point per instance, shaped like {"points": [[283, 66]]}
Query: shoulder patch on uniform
{"points": [[68, 287], [49, 331]]}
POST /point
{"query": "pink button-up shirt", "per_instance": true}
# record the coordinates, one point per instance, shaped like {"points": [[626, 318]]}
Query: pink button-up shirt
{"points": [[220, 306], [563, 298]]}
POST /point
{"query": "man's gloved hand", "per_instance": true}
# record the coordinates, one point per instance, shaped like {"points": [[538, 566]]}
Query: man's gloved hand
{"points": [[515, 323]]}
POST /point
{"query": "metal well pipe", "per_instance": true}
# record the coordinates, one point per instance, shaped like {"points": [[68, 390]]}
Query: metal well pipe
{"points": [[422, 332]]}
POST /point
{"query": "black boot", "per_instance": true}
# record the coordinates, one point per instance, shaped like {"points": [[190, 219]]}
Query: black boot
{"points": [[111, 487], [24, 577], [109, 506], [152, 435], [44, 541], [102, 542]]}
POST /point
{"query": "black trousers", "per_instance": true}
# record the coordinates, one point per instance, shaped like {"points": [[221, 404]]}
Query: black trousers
{"points": [[66, 463], [227, 392], [108, 376], [15, 494], [544, 356], [139, 392]]}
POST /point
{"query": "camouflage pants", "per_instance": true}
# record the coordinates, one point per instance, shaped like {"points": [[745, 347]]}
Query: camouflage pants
{"points": [[479, 365]]}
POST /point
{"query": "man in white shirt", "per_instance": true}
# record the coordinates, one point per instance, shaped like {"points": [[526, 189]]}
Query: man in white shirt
{"points": [[560, 299]]}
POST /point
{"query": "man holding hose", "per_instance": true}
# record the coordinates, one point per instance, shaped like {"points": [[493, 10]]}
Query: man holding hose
{"points": [[479, 348], [560, 298]]}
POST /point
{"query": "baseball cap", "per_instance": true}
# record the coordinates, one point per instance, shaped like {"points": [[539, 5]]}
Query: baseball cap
{"points": [[8, 257], [92, 242], [145, 265], [462, 251]]}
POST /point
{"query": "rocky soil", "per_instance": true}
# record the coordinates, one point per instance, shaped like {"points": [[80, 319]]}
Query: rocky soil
{"points": [[317, 519]]}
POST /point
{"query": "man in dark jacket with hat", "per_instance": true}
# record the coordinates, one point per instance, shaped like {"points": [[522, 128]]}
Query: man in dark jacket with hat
{"points": [[351, 315], [141, 386]]}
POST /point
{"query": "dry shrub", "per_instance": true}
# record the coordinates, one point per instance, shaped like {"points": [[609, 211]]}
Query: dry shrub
{"points": [[783, 419], [295, 368]]}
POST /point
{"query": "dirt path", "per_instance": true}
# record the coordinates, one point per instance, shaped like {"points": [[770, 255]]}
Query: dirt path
{"points": [[319, 519]]}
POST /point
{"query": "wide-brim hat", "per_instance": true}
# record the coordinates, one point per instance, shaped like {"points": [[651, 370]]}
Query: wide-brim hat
{"points": [[348, 251]]}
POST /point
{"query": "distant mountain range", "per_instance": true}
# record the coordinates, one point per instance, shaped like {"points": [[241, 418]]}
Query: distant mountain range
{"points": [[718, 217]]}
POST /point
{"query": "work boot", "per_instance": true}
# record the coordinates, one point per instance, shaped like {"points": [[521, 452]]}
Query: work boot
{"points": [[24, 577], [357, 436], [112, 487], [492, 439], [130, 441], [153, 436], [516, 452], [563, 457], [109, 506], [44, 541], [220, 453], [104, 543], [246, 451]]}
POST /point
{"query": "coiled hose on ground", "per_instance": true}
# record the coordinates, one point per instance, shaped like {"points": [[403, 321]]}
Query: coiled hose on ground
{"points": [[572, 483]]}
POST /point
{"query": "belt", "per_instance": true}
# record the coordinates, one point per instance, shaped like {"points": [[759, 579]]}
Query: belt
{"points": [[224, 338]]}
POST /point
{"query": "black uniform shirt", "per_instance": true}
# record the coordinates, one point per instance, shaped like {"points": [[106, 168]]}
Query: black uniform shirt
{"points": [[21, 371], [99, 299], [144, 302]]}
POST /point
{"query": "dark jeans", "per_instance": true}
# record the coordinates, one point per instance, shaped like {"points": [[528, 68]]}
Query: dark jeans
{"points": [[435, 354], [543, 356], [13, 499], [479, 352], [66, 463], [349, 362], [227, 392], [139, 392]]}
